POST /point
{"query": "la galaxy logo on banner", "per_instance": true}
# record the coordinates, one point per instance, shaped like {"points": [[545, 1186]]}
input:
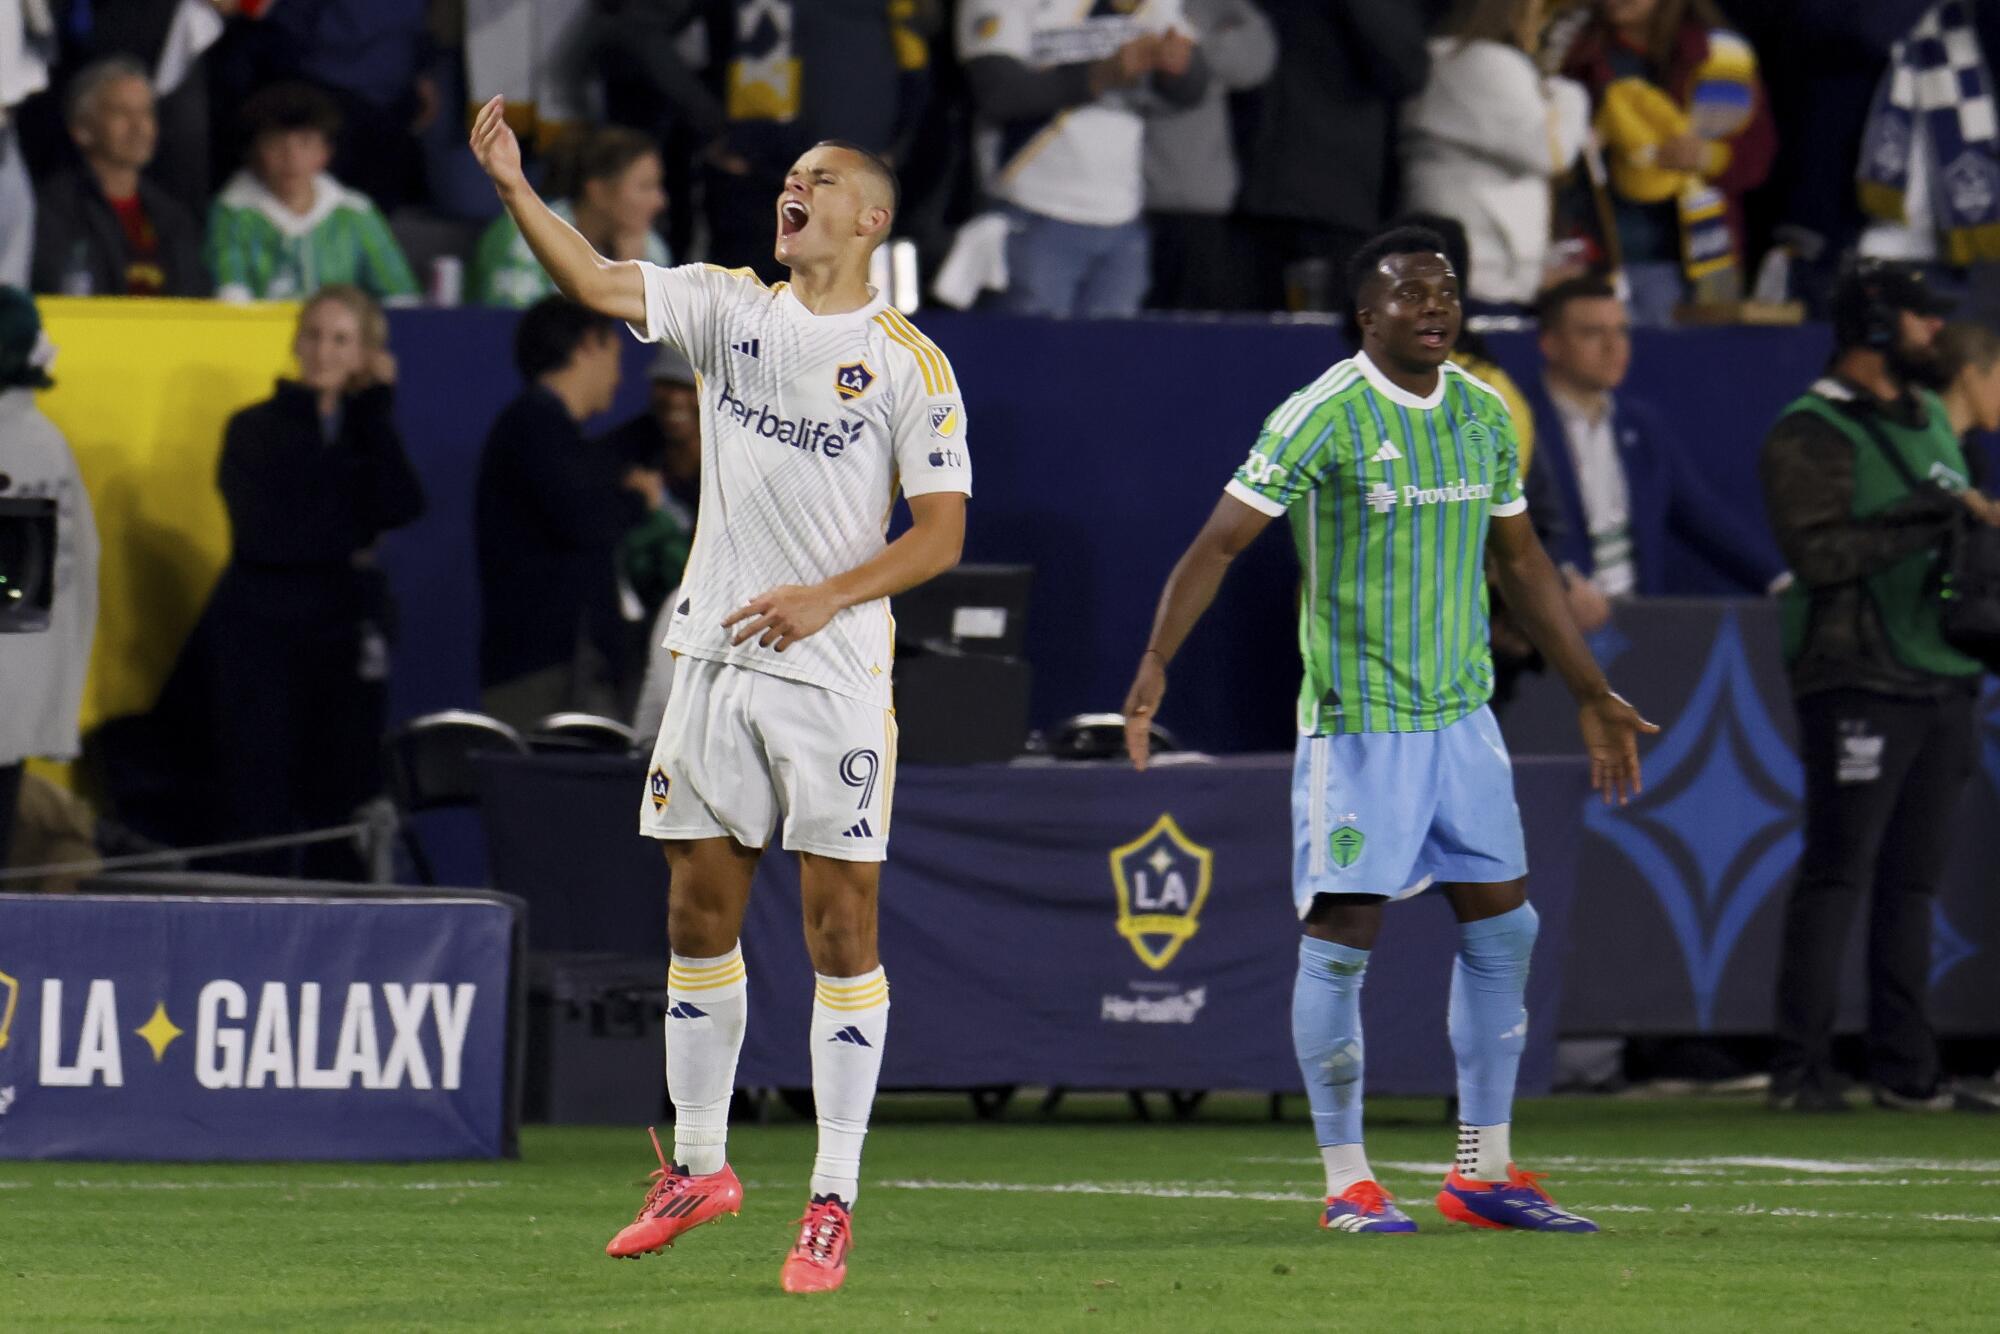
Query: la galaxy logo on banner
{"points": [[1162, 878]]}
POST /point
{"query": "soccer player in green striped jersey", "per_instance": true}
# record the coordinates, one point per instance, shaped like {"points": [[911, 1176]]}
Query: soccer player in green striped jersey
{"points": [[1399, 474]]}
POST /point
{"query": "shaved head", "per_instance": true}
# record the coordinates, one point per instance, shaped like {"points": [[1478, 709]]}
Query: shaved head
{"points": [[883, 187]]}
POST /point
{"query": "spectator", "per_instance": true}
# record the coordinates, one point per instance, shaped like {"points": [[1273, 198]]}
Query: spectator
{"points": [[1887, 709], [283, 227], [1968, 366], [799, 72], [102, 228], [299, 624], [370, 58], [1190, 166], [550, 509], [1062, 99], [1687, 132], [44, 671], [1621, 482], [661, 451], [1484, 139], [1317, 183], [613, 198], [25, 34]]}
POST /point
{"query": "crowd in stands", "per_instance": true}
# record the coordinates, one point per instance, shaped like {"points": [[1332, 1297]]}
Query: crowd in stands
{"points": [[1092, 159]]}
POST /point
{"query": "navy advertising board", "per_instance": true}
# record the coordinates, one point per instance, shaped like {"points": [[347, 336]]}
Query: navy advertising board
{"points": [[271, 1028]]}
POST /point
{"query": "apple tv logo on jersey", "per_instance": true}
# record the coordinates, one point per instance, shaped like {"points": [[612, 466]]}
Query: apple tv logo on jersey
{"points": [[808, 434], [946, 457]]}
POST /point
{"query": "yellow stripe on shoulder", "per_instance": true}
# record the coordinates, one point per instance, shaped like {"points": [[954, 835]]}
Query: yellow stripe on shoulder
{"points": [[923, 340], [925, 365], [745, 272]]}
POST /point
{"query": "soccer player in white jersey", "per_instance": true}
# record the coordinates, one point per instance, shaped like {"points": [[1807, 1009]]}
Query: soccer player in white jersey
{"points": [[819, 402]]}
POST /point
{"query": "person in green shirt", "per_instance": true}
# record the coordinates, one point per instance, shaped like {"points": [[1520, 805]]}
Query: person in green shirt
{"points": [[1400, 475], [609, 187], [282, 228]]}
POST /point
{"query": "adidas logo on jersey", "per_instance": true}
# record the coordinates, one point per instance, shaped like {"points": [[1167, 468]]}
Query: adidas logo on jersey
{"points": [[830, 439], [749, 347], [859, 831], [1387, 454], [851, 1036]]}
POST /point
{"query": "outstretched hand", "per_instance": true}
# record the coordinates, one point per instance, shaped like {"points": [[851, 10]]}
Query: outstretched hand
{"points": [[1611, 729], [1142, 705], [496, 148]]}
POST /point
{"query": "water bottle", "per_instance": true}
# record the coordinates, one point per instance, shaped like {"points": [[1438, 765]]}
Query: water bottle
{"points": [[76, 279]]}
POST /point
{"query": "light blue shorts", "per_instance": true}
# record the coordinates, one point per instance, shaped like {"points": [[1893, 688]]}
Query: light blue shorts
{"points": [[1390, 813]]}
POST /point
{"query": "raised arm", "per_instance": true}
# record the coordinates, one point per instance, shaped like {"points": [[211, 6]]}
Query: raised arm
{"points": [[1540, 606], [1190, 589], [610, 287]]}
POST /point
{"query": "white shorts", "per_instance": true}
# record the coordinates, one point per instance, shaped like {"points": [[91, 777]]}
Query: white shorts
{"points": [[740, 748]]}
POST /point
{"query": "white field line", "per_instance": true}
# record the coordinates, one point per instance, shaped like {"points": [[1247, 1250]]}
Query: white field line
{"points": [[257, 1185], [1163, 1190], [1699, 1166]]}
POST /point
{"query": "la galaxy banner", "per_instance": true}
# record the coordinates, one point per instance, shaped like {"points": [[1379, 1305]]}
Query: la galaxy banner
{"points": [[227, 1028]]}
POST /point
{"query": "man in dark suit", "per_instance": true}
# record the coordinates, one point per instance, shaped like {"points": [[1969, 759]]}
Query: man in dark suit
{"points": [[551, 506], [1620, 483]]}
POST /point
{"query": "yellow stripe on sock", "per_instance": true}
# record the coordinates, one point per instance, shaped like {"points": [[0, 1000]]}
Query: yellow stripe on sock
{"points": [[677, 983], [867, 1001], [693, 969], [822, 985]]}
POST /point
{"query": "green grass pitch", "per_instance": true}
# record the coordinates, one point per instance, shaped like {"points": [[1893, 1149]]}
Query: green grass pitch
{"points": [[1717, 1215]]}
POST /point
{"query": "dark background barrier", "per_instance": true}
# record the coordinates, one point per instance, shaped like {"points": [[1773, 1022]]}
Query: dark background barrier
{"points": [[1100, 449], [1001, 923], [1681, 894]]}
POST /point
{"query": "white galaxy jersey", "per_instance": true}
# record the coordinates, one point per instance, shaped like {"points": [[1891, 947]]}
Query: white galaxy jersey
{"points": [[810, 425]]}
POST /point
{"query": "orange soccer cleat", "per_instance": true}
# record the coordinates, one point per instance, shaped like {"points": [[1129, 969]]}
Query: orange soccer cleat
{"points": [[818, 1262], [675, 1204]]}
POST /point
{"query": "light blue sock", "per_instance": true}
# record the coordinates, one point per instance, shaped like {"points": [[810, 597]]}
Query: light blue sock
{"points": [[1326, 1033], [1489, 1021]]}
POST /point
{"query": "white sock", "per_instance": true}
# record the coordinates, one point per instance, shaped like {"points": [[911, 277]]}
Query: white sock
{"points": [[1346, 1164], [1483, 1152], [850, 1021], [707, 1006]]}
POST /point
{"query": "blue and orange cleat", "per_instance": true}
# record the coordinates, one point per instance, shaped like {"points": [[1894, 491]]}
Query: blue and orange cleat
{"points": [[1364, 1207], [818, 1262], [675, 1204], [1518, 1203]]}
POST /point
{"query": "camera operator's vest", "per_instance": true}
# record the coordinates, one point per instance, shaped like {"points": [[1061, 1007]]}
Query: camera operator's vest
{"points": [[1902, 594]]}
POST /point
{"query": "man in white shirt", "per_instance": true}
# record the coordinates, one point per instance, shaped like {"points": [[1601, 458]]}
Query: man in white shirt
{"points": [[819, 403], [1062, 88]]}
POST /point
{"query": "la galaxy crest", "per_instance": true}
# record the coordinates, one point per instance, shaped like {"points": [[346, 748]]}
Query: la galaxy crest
{"points": [[658, 787], [852, 380], [1162, 878]]}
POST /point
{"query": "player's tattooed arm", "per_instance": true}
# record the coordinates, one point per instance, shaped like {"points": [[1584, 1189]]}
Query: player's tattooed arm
{"points": [[932, 544], [1535, 595], [1190, 589], [610, 287]]}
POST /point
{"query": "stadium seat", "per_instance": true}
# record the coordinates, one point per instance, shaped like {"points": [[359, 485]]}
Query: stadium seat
{"points": [[590, 733], [429, 767]]}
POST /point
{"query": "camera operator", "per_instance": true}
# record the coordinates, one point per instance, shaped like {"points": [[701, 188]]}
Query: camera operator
{"points": [[1885, 705], [41, 674]]}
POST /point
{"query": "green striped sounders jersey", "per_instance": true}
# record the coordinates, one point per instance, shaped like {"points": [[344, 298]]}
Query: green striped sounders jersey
{"points": [[1389, 496]]}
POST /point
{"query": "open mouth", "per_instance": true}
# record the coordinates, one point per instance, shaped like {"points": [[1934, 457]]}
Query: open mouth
{"points": [[1433, 336], [792, 218]]}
